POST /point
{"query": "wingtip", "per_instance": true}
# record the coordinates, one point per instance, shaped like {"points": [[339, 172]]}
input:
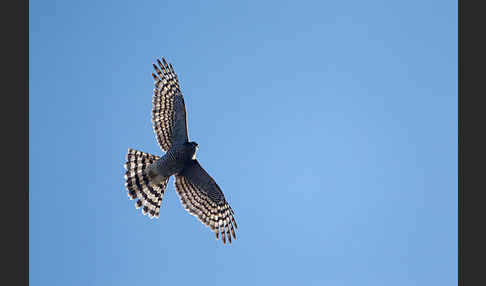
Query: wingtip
{"points": [[229, 237], [160, 64], [165, 63]]}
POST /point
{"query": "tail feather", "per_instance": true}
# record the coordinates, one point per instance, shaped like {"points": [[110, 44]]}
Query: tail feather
{"points": [[149, 196]]}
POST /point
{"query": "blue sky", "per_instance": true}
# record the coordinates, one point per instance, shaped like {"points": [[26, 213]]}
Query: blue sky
{"points": [[331, 127]]}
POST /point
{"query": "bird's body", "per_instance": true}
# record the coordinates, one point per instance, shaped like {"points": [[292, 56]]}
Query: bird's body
{"points": [[147, 175], [172, 163]]}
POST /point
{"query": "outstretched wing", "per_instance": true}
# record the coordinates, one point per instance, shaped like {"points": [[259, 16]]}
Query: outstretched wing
{"points": [[168, 110], [203, 198]]}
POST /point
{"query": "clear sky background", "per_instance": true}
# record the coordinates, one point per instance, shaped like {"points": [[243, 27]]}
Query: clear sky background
{"points": [[331, 127]]}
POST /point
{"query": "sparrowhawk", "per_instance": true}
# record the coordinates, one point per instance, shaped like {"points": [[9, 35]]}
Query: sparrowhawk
{"points": [[147, 175]]}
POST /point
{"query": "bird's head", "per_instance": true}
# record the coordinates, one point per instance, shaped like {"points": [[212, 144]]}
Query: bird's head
{"points": [[194, 146]]}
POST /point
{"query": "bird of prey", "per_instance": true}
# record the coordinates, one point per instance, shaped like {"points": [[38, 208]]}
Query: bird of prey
{"points": [[147, 175]]}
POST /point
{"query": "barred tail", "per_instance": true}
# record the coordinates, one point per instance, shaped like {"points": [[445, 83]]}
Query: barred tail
{"points": [[139, 184]]}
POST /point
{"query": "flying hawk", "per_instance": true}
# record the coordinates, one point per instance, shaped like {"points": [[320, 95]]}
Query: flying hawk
{"points": [[147, 175]]}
